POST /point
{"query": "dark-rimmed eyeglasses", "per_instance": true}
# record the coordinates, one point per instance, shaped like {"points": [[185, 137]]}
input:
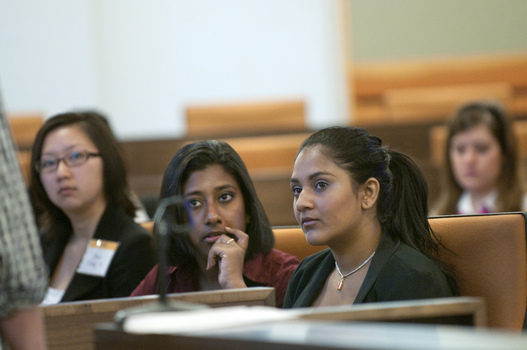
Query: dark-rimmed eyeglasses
{"points": [[48, 165]]}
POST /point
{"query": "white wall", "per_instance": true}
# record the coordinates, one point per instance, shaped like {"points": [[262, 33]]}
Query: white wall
{"points": [[143, 62], [47, 55]]}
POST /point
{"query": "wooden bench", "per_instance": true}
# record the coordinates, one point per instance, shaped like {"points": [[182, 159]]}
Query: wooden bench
{"points": [[425, 104], [292, 240], [70, 325], [270, 153], [245, 118], [268, 158], [24, 127], [270, 161], [424, 90]]}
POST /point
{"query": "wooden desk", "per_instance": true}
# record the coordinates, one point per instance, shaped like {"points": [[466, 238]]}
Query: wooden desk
{"points": [[314, 335], [70, 325], [248, 331], [470, 311]]}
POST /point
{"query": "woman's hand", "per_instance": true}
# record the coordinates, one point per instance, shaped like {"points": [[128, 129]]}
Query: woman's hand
{"points": [[229, 254]]}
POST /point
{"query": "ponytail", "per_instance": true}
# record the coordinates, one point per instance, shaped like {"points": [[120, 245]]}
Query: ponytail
{"points": [[402, 204], [409, 211]]}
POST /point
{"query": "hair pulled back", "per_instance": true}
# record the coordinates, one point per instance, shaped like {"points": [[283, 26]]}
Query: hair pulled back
{"points": [[402, 204]]}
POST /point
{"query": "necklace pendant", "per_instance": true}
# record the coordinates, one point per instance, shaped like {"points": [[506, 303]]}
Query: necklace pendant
{"points": [[339, 287]]}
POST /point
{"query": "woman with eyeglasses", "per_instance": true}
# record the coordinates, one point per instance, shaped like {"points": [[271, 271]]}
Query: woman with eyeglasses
{"points": [[81, 198]]}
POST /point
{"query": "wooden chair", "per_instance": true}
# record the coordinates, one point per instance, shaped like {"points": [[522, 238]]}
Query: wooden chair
{"points": [[70, 325], [487, 252]]}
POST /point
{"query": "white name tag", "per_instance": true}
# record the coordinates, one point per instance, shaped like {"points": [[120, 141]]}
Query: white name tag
{"points": [[97, 258]]}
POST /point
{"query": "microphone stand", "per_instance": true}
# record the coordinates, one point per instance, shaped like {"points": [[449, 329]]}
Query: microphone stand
{"points": [[161, 230]]}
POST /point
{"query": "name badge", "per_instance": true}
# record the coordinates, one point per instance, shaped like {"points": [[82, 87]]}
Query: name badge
{"points": [[97, 258]]}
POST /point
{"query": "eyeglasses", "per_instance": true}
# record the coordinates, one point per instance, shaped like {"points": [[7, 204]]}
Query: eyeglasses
{"points": [[72, 159]]}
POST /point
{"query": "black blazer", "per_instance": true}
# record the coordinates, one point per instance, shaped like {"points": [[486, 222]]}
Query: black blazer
{"points": [[397, 272], [134, 257]]}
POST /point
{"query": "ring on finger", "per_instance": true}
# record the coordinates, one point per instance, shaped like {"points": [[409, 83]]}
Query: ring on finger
{"points": [[230, 240]]}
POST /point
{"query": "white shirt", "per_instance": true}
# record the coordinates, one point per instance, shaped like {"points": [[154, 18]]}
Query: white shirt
{"points": [[465, 205], [53, 296]]}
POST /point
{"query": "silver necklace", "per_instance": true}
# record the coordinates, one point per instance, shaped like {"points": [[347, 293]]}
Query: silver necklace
{"points": [[339, 287]]}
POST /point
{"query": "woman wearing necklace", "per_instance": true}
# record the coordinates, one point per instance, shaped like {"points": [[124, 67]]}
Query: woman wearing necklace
{"points": [[368, 204]]}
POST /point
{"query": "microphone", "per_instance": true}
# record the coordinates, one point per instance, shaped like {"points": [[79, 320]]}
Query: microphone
{"points": [[162, 229]]}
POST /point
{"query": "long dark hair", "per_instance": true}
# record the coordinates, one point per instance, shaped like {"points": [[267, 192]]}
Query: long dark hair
{"points": [[402, 204], [494, 117], [198, 156], [52, 219]]}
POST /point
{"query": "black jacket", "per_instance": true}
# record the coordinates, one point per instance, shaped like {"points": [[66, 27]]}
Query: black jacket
{"points": [[134, 257], [396, 272]]}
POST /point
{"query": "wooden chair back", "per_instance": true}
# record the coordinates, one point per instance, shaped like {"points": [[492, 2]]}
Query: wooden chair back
{"points": [[243, 119], [291, 239], [268, 153], [489, 257]]}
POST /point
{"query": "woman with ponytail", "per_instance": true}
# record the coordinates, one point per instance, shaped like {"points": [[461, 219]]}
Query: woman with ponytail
{"points": [[368, 204]]}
